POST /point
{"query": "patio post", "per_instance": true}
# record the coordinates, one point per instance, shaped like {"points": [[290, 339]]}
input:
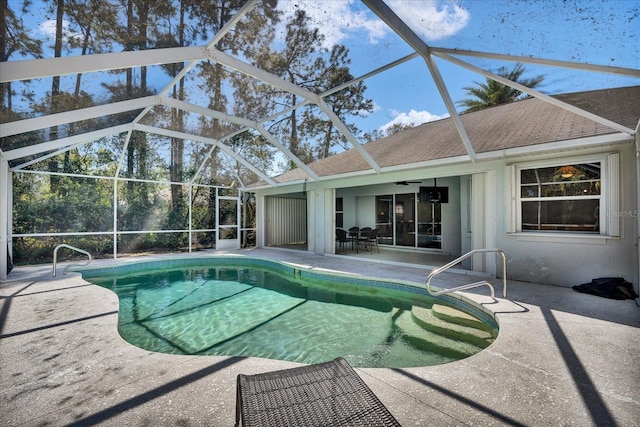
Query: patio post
{"points": [[4, 215], [638, 212]]}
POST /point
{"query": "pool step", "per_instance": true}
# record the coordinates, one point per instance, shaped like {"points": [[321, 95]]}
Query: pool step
{"points": [[454, 315], [451, 322], [441, 337]]}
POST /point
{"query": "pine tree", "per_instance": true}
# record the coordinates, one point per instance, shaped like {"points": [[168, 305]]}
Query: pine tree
{"points": [[306, 63]]}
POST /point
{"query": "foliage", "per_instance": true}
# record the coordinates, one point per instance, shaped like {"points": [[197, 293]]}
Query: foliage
{"points": [[14, 40], [308, 132], [391, 130], [493, 93], [144, 174]]}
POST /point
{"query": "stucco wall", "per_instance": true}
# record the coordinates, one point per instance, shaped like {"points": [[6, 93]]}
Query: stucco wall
{"points": [[569, 260], [548, 258]]}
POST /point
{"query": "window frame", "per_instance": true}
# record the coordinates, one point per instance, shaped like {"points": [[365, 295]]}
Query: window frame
{"points": [[609, 225]]}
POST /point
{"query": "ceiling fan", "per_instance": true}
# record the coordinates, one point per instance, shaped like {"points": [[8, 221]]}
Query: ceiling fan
{"points": [[407, 182]]}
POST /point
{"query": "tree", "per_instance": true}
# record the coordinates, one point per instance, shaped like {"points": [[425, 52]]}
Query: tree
{"points": [[300, 62], [350, 101], [493, 93], [306, 63], [54, 103], [249, 36], [13, 39]]}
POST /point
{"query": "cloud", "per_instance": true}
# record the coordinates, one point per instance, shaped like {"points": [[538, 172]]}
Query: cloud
{"points": [[434, 20], [375, 108], [338, 20], [412, 118], [48, 29]]}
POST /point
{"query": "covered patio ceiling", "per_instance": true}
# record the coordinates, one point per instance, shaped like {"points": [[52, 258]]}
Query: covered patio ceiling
{"points": [[22, 148]]}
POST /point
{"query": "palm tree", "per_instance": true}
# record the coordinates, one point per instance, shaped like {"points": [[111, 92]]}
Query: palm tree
{"points": [[493, 93]]}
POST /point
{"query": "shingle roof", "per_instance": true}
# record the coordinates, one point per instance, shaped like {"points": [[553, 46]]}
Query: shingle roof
{"points": [[522, 123]]}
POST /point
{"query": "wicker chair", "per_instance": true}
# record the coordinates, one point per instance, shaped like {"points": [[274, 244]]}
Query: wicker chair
{"points": [[324, 394], [364, 237], [354, 235], [372, 240], [341, 237]]}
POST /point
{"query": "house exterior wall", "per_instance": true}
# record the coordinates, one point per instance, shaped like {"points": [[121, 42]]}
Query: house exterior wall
{"points": [[482, 204], [566, 260]]}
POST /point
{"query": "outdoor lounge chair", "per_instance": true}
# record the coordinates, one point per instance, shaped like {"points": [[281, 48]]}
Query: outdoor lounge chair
{"points": [[324, 394]]}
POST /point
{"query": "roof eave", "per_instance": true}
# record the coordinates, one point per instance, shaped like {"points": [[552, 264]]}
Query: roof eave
{"points": [[509, 153]]}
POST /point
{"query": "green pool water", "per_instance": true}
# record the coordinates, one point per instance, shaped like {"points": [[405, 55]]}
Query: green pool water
{"points": [[245, 310]]}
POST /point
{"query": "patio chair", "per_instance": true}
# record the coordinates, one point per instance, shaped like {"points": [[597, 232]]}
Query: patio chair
{"points": [[364, 236], [354, 235], [373, 240], [341, 237], [324, 394]]}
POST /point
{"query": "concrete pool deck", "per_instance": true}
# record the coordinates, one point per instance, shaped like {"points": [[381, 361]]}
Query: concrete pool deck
{"points": [[561, 358]]}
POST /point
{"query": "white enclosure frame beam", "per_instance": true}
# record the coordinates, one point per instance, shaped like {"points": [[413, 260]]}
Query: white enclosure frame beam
{"points": [[88, 137], [36, 123], [262, 75], [207, 158], [42, 68], [205, 140], [389, 17], [48, 156], [224, 30], [331, 91], [287, 152], [541, 96], [606, 69], [186, 106], [246, 8], [345, 85]]}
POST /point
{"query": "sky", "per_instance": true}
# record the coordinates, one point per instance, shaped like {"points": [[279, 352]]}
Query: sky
{"points": [[603, 32]]}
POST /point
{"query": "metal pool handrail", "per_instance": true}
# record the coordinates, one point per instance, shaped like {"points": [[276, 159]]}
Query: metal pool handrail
{"points": [[475, 284], [55, 257]]}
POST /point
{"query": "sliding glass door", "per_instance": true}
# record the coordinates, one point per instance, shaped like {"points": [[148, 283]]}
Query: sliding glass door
{"points": [[396, 221], [429, 225], [404, 213]]}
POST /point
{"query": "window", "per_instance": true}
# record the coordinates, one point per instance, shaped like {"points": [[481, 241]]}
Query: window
{"points": [[339, 212], [566, 197]]}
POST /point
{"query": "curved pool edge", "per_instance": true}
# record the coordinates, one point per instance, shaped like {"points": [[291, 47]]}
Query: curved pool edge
{"points": [[493, 387], [461, 300]]}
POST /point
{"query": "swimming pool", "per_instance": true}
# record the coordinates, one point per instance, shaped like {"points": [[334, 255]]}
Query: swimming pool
{"points": [[241, 306]]}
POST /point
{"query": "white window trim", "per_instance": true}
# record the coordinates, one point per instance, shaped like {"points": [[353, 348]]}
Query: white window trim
{"points": [[609, 200]]}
